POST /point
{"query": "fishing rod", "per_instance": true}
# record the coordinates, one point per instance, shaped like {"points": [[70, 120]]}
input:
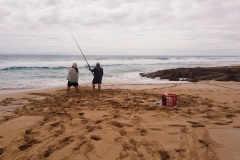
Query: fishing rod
{"points": [[79, 48]]}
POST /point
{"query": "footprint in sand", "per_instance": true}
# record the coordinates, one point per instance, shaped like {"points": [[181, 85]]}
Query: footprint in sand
{"points": [[28, 131], [58, 133], [29, 144], [98, 121], [133, 142], [56, 124], [177, 125], [123, 132], [117, 115], [123, 154], [164, 155], [180, 150], [198, 125], [1, 150], [81, 115], [7, 101], [105, 115], [126, 146], [142, 131], [156, 129], [85, 121], [131, 148], [62, 143], [95, 137], [117, 124], [136, 119], [83, 140], [193, 122], [223, 123], [236, 126], [48, 152], [204, 141], [230, 115], [91, 128]]}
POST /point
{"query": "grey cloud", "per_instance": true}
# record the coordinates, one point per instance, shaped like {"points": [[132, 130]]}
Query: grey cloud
{"points": [[164, 24]]}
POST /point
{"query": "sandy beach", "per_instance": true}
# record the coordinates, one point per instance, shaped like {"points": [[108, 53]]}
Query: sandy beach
{"points": [[122, 122]]}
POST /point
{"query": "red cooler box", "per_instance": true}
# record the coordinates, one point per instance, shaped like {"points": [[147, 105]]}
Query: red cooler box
{"points": [[169, 99]]}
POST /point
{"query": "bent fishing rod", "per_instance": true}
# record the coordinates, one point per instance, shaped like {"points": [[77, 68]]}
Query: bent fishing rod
{"points": [[79, 48]]}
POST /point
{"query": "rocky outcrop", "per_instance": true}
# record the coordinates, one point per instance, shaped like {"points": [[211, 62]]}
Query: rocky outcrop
{"points": [[226, 73]]}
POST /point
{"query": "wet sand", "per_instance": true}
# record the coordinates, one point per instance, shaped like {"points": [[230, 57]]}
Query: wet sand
{"points": [[122, 122]]}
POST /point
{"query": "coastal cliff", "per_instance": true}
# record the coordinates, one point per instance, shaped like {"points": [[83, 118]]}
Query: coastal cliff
{"points": [[225, 73]]}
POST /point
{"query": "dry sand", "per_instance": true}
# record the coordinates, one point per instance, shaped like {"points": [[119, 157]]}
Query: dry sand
{"points": [[122, 122]]}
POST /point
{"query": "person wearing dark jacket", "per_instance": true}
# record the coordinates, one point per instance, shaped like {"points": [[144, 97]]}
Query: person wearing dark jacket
{"points": [[98, 73]]}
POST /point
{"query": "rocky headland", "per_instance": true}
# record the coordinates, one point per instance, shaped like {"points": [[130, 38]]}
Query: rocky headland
{"points": [[225, 73]]}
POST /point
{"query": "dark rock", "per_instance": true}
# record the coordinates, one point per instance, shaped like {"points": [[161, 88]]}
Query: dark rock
{"points": [[231, 77], [225, 73], [211, 76], [237, 77], [222, 78], [173, 79], [195, 79]]}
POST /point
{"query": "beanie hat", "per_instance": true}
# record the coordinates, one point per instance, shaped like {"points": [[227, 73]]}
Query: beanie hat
{"points": [[74, 65]]}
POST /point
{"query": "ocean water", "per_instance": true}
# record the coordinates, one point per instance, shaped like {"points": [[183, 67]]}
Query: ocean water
{"points": [[43, 71]]}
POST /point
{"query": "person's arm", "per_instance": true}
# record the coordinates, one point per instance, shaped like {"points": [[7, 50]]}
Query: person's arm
{"points": [[91, 69], [67, 74]]}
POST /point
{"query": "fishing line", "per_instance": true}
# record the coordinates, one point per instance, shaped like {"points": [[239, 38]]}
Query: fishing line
{"points": [[79, 48]]}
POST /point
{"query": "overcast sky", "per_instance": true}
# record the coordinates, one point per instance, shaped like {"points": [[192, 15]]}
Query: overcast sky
{"points": [[120, 27]]}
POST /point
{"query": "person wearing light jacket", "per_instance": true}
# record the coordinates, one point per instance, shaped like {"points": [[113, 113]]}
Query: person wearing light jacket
{"points": [[72, 78]]}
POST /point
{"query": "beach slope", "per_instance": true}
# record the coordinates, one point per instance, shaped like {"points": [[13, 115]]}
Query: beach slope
{"points": [[123, 122]]}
